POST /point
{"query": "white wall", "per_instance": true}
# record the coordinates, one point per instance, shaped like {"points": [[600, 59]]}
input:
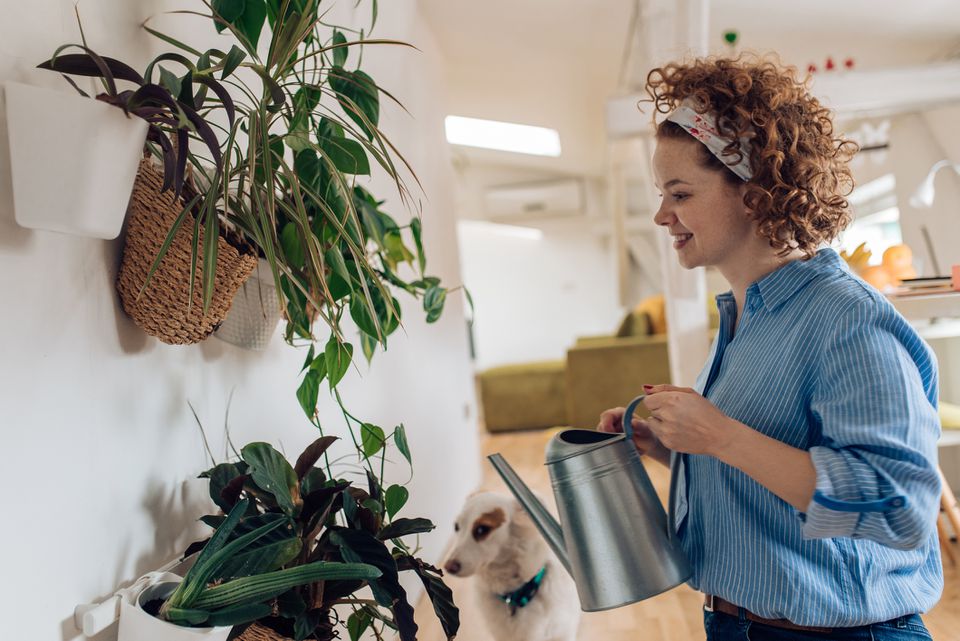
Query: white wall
{"points": [[534, 297], [100, 449]]}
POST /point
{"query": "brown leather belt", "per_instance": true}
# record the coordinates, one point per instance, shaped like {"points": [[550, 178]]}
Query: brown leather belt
{"points": [[713, 603]]}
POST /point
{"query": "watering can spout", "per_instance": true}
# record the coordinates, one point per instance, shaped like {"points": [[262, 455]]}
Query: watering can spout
{"points": [[548, 526]]}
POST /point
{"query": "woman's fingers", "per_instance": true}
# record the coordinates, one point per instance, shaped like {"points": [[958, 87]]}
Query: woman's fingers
{"points": [[612, 420], [656, 389]]}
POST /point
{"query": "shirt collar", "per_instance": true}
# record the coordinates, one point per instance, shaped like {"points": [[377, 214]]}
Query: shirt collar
{"points": [[779, 286]]}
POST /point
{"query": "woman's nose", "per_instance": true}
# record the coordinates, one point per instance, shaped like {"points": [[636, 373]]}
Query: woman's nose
{"points": [[663, 215]]}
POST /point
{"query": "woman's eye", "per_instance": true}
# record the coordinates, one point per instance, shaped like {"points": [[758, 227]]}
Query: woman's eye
{"points": [[679, 196]]}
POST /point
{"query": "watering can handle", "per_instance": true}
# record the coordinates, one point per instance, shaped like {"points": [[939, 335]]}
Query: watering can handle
{"points": [[628, 417], [674, 465]]}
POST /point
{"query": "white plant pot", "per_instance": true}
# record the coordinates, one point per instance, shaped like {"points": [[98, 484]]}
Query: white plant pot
{"points": [[138, 625], [72, 161], [254, 313]]}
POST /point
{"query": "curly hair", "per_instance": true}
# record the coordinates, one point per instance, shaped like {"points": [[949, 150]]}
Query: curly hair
{"points": [[800, 169]]}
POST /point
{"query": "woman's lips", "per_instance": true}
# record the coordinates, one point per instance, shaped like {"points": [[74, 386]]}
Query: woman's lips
{"points": [[679, 240]]}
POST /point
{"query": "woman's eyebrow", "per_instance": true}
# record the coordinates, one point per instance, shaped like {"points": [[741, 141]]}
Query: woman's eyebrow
{"points": [[675, 181]]}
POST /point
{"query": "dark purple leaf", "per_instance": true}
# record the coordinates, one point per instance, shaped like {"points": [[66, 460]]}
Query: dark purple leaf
{"points": [[312, 454], [222, 94], [92, 65]]}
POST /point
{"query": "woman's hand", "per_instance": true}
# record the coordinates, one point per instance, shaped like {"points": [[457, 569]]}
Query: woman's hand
{"points": [[683, 420], [643, 438]]}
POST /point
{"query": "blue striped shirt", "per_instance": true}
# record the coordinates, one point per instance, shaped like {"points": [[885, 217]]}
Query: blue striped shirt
{"points": [[822, 362]]}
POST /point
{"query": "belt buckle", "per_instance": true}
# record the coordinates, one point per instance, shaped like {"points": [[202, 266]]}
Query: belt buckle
{"points": [[708, 602]]}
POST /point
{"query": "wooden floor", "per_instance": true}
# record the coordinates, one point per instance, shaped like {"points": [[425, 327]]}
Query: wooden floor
{"points": [[673, 616]]}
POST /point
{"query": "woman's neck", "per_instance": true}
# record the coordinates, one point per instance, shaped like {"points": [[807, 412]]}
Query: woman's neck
{"points": [[749, 267]]}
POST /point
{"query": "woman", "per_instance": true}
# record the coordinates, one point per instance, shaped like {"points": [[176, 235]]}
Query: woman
{"points": [[808, 489]]}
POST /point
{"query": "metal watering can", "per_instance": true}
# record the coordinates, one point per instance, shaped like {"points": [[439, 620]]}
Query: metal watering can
{"points": [[615, 539]]}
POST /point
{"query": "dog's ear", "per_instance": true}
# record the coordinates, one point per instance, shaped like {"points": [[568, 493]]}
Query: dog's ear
{"points": [[520, 518]]}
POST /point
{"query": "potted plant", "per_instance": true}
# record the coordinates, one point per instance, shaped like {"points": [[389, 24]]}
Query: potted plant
{"points": [[234, 580], [175, 220], [311, 127], [333, 521]]}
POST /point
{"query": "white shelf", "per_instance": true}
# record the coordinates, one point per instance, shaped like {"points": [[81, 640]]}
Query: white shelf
{"points": [[927, 306]]}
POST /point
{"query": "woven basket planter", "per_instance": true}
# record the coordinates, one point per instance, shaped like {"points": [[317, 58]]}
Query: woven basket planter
{"points": [[257, 632], [164, 309]]}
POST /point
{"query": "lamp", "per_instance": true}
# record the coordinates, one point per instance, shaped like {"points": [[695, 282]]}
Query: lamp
{"points": [[923, 198]]}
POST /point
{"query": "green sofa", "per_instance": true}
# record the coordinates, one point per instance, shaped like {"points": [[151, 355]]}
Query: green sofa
{"points": [[599, 372], [609, 371]]}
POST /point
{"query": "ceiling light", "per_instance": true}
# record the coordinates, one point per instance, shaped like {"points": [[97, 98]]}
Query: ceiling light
{"points": [[502, 136]]}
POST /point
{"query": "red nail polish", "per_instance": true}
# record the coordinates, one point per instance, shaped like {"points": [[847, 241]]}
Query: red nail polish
{"points": [[647, 387]]}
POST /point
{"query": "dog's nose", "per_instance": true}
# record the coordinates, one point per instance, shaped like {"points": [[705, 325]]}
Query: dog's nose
{"points": [[453, 566]]}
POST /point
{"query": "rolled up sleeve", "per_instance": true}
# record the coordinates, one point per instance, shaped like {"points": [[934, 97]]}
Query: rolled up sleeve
{"points": [[875, 459]]}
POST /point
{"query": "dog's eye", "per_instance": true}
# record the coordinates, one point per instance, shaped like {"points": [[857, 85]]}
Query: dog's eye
{"points": [[456, 527], [480, 531]]}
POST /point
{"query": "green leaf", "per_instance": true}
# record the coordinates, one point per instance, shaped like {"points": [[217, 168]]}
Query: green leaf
{"points": [[440, 595], [220, 476], [404, 527], [397, 252], [187, 616], [415, 228], [347, 155], [361, 546], [374, 506], [234, 57], [433, 301], [292, 247], [338, 356], [307, 98], [308, 392], [341, 51], [311, 481], [372, 438], [395, 498], [336, 262], [357, 623], [309, 359], [229, 11], [400, 438], [270, 552], [272, 473], [273, 584], [169, 80], [358, 96], [360, 314], [369, 346], [251, 21], [306, 164]]}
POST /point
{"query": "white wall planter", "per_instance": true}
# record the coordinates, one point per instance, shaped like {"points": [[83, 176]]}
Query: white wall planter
{"points": [[254, 313], [138, 625], [72, 160]]}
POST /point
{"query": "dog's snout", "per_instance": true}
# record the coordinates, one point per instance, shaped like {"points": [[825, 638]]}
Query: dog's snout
{"points": [[453, 566]]}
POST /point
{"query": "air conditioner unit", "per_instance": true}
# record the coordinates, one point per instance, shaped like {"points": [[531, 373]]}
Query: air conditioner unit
{"points": [[535, 200]]}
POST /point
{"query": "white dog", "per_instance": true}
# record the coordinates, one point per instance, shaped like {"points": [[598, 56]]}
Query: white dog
{"points": [[520, 587]]}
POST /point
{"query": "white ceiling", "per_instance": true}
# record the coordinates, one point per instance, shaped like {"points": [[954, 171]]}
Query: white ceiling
{"points": [[553, 62]]}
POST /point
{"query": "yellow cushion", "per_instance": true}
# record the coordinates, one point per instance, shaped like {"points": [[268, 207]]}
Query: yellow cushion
{"points": [[949, 416], [655, 308]]}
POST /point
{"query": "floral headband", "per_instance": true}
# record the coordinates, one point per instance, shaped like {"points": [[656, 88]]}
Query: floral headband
{"points": [[701, 126]]}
